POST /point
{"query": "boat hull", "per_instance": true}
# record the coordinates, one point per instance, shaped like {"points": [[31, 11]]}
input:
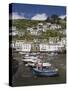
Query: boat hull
{"points": [[45, 72]]}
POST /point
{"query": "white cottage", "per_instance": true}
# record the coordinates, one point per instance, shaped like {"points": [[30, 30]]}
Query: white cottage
{"points": [[42, 27], [13, 31], [33, 30], [55, 26], [63, 41], [12, 44], [20, 45], [50, 47]]}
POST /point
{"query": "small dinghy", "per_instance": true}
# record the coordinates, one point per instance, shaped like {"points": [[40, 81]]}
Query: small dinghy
{"points": [[47, 71]]}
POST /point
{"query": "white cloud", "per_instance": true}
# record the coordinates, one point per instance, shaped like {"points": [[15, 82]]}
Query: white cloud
{"points": [[15, 15], [62, 16], [42, 17]]}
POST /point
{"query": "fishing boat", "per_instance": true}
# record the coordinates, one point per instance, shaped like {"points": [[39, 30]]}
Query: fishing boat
{"points": [[45, 71]]}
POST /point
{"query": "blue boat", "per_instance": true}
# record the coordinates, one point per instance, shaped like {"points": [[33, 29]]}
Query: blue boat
{"points": [[45, 72]]}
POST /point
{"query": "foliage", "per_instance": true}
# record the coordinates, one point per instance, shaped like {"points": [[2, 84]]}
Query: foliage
{"points": [[22, 25]]}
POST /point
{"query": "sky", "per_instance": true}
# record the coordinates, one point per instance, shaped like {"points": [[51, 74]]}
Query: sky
{"points": [[36, 12]]}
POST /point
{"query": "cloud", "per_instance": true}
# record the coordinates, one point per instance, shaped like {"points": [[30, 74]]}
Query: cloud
{"points": [[42, 17], [16, 15], [62, 16]]}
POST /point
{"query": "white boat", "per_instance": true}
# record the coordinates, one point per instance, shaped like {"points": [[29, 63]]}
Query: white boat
{"points": [[30, 57], [22, 53], [29, 60], [52, 54], [34, 54], [26, 55], [32, 64], [46, 64]]}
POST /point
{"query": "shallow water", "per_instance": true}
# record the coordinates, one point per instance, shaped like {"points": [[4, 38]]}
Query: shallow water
{"points": [[24, 76]]}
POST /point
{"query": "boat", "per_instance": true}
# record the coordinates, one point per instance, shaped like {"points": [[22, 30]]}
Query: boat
{"points": [[29, 60], [47, 64], [32, 59], [52, 54], [30, 64], [45, 71], [27, 56], [22, 53], [33, 64]]}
